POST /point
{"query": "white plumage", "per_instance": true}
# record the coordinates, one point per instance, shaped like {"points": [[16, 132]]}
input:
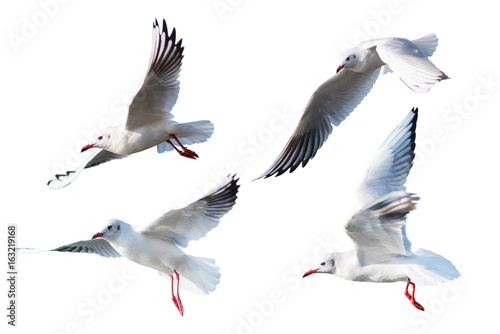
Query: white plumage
{"points": [[382, 251], [336, 98]]}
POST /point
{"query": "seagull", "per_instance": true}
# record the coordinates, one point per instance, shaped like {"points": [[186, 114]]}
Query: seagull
{"points": [[149, 120], [336, 98], [382, 251], [157, 245]]}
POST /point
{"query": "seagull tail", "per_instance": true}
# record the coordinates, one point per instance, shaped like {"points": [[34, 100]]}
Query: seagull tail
{"points": [[199, 274], [188, 134], [428, 43], [431, 268]]}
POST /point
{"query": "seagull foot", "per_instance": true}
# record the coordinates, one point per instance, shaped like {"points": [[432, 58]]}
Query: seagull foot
{"points": [[187, 153], [417, 305], [411, 297], [178, 305]]}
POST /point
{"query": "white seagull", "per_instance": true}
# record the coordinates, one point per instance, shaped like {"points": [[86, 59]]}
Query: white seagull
{"points": [[336, 98], [157, 244], [149, 121], [382, 251]]}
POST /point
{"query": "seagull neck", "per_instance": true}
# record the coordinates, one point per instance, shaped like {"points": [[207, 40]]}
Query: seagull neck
{"points": [[127, 238], [368, 61]]}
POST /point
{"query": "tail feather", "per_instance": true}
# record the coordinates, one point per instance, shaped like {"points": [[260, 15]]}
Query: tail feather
{"points": [[188, 134], [427, 43], [199, 274], [431, 268]]}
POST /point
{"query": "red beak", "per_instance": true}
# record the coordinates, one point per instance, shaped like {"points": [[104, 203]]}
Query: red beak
{"points": [[97, 235], [339, 68], [312, 271], [86, 147]]}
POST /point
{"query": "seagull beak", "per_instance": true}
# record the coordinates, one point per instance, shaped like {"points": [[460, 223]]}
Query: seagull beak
{"points": [[86, 147], [312, 271], [339, 68], [97, 235]]}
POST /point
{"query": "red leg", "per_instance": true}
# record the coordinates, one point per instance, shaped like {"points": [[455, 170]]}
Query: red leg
{"points": [[175, 299], [412, 296], [180, 307], [185, 151]]}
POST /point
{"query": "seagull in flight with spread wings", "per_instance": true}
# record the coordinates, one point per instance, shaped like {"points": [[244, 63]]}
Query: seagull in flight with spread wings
{"points": [[157, 245], [382, 251], [149, 121], [336, 98]]}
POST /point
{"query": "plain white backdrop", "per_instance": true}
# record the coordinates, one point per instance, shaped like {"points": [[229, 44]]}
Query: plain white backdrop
{"points": [[69, 67]]}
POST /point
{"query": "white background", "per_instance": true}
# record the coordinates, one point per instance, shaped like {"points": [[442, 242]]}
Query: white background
{"points": [[244, 64]]}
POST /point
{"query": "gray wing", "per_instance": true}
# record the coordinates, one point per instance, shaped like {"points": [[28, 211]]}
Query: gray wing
{"points": [[160, 89], [197, 219], [409, 62], [97, 158], [392, 163], [379, 229], [330, 104], [97, 246]]}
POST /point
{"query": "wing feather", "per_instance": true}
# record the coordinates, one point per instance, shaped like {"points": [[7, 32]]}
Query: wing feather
{"points": [[409, 62], [379, 229], [97, 246], [160, 89], [97, 158], [330, 104], [392, 163], [197, 219]]}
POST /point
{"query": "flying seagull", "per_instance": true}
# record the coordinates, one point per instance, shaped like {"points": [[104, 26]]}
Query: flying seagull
{"points": [[382, 251], [149, 121], [336, 98], [158, 244]]}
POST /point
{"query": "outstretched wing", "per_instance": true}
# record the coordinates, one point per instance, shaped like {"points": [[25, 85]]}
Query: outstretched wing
{"points": [[379, 229], [97, 158], [409, 62], [392, 163], [197, 219], [97, 246], [330, 104], [160, 89]]}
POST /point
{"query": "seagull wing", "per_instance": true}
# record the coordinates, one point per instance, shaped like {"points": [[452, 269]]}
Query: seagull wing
{"points": [[97, 158], [97, 246], [160, 89], [392, 163], [330, 104], [379, 229], [197, 219], [409, 62]]}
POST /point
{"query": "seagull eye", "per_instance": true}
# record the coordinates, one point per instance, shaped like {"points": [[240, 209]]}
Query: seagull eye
{"points": [[348, 58], [323, 263], [100, 137], [110, 227]]}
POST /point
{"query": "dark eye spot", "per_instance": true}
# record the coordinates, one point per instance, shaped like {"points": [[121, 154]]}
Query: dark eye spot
{"points": [[354, 56], [348, 58], [323, 263], [100, 137], [118, 227], [110, 227]]}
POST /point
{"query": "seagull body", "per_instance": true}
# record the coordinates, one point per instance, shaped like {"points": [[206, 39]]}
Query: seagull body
{"points": [[149, 120], [382, 251], [336, 98], [158, 245]]}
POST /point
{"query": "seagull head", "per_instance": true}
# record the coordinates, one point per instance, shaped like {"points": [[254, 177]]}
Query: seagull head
{"points": [[348, 59], [101, 142], [327, 266], [112, 231]]}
